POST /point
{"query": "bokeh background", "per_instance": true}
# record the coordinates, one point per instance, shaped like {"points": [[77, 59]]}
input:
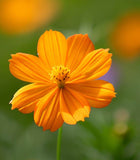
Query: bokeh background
{"points": [[111, 133]]}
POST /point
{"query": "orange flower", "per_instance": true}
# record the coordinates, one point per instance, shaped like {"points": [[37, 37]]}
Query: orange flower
{"points": [[126, 36], [19, 16], [63, 78]]}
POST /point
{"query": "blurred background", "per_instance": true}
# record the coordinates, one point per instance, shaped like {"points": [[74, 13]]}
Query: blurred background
{"points": [[111, 133]]}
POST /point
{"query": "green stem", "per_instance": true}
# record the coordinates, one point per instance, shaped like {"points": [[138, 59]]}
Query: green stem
{"points": [[59, 143]]}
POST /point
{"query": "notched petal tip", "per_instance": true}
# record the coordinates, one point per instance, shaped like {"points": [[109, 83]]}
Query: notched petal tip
{"points": [[12, 55], [10, 101], [52, 130], [75, 107], [107, 49], [43, 128], [9, 60], [86, 34], [15, 55], [115, 93], [68, 118], [12, 108]]}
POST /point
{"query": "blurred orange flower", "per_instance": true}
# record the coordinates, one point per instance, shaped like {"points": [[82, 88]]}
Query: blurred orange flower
{"points": [[63, 78], [19, 16], [126, 35]]}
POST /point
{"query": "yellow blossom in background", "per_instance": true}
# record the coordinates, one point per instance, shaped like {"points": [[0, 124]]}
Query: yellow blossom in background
{"points": [[19, 16], [63, 79], [125, 38], [121, 118]]}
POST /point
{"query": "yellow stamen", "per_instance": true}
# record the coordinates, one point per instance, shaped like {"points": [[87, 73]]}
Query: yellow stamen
{"points": [[59, 75]]}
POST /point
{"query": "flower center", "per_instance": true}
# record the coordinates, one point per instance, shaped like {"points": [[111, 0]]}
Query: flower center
{"points": [[59, 75]]}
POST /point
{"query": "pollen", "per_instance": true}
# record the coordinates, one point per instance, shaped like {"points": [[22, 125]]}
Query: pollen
{"points": [[59, 75]]}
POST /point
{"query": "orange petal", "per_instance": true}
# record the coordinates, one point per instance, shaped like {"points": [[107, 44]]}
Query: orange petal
{"points": [[93, 66], [28, 68], [78, 47], [52, 47], [47, 111], [99, 93], [73, 106], [26, 98]]}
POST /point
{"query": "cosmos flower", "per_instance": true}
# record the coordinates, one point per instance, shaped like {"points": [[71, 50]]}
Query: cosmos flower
{"points": [[20, 16], [125, 37], [63, 80]]}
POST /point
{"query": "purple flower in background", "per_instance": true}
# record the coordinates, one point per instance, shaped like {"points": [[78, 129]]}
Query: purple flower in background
{"points": [[113, 75]]}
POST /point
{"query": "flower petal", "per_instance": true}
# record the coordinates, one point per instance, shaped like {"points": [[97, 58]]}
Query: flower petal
{"points": [[26, 98], [78, 47], [47, 111], [73, 106], [28, 68], [99, 93], [93, 66], [52, 48]]}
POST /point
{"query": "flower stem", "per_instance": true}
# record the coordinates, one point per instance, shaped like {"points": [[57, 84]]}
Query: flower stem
{"points": [[59, 143]]}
